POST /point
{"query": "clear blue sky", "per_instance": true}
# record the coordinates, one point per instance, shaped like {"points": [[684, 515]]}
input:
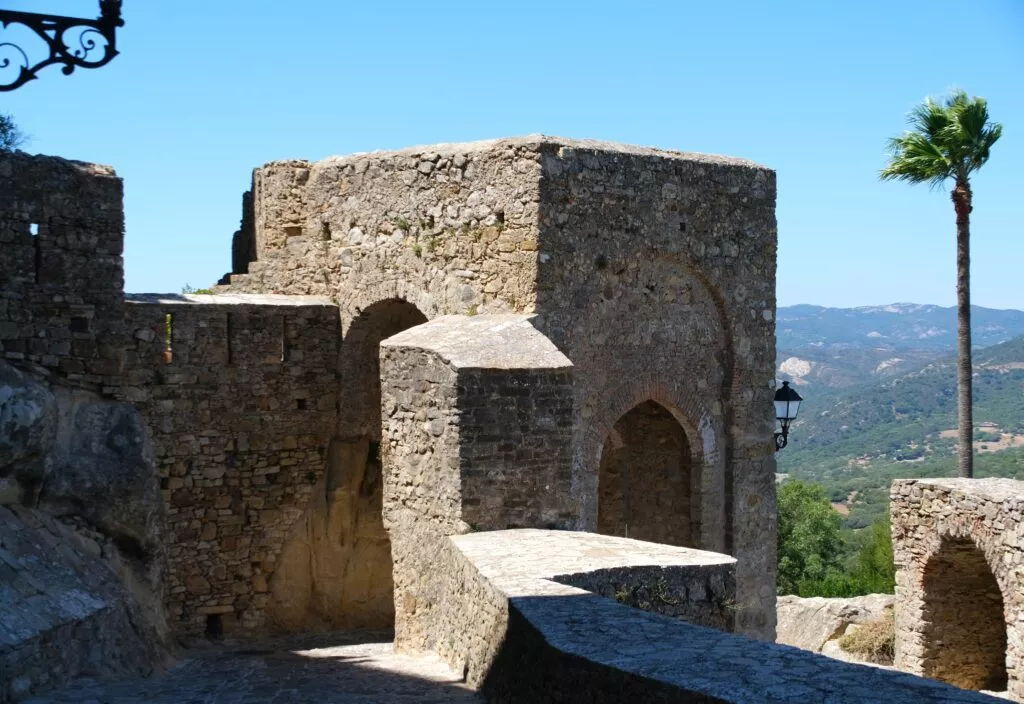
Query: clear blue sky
{"points": [[204, 91]]}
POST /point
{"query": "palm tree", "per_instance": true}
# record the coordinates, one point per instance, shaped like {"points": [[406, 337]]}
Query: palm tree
{"points": [[950, 140]]}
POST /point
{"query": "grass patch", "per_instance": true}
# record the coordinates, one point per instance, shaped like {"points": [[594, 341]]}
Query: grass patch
{"points": [[874, 641]]}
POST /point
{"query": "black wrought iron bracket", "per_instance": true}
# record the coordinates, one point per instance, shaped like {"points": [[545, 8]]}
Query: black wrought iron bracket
{"points": [[72, 41], [781, 439]]}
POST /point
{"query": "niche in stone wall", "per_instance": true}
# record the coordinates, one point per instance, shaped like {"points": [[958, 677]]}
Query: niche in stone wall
{"points": [[335, 569], [645, 480], [964, 624]]}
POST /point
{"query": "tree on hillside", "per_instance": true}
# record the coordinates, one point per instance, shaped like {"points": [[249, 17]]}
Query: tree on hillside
{"points": [[950, 140], [810, 546], [10, 136]]}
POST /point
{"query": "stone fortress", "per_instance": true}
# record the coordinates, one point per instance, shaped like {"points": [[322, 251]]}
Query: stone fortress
{"points": [[446, 389]]}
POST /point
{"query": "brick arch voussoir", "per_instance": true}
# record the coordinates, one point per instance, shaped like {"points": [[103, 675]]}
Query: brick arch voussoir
{"points": [[387, 291], [688, 410]]}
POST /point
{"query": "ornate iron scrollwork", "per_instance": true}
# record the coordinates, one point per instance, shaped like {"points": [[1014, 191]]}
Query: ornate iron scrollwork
{"points": [[72, 41]]}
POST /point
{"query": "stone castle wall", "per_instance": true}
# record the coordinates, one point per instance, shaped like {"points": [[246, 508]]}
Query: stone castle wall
{"points": [[958, 545], [652, 271], [61, 233], [478, 418], [657, 280], [240, 396]]}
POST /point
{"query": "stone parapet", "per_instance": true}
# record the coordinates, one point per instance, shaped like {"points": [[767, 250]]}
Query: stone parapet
{"points": [[516, 621], [477, 419], [239, 393]]}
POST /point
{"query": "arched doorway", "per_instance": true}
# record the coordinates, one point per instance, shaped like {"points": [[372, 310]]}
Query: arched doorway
{"points": [[335, 569], [360, 363], [964, 630], [645, 479]]}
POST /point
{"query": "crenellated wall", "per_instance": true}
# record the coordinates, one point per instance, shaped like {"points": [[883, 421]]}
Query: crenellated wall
{"points": [[240, 396], [61, 273]]}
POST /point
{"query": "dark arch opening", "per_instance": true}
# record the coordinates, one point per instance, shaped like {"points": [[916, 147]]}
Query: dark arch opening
{"points": [[964, 623], [645, 479], [360, 363], [335, 571]]}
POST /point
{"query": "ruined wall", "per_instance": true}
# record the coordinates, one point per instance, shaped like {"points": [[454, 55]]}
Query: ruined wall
{"points": [[653, 271], [239, 394], [958, 545], [61, 232]]}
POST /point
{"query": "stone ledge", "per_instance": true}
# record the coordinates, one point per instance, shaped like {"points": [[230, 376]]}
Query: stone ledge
{"points": [[502, 341], [231, 299], [999, 490], [561, 643]]}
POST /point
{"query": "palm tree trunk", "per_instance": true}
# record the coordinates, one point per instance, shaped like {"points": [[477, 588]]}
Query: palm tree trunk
{"points": [[962, 203]]}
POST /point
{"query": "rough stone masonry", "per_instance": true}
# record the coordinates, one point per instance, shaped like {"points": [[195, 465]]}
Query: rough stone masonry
{"points": [[650, 274], [653, 272], [415, 351], [958, 545]]}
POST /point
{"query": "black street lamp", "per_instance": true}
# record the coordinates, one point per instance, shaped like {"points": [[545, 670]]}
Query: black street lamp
{"points": [[787, 405], [72, 41]]}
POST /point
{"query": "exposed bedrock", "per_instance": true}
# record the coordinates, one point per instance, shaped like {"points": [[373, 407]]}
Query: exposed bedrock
{"points": [[28, 426], [335, 568]]}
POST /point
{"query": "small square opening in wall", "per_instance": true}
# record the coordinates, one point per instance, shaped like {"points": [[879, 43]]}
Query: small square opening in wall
{"points": [[214, 627], [300, 403], [79, 324], [33, 229]]}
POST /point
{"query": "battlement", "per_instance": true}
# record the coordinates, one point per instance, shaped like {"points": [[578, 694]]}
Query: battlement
{"points": [[61, 230]]}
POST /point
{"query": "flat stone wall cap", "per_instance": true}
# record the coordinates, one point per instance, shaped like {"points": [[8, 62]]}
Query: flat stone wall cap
{"points": [[993, 489], [501, 341], [229, 299], [503, 555], [532, 142], [85, 167]]}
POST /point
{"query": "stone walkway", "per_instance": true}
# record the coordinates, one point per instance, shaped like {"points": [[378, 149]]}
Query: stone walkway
{"points": [[356, 666]]}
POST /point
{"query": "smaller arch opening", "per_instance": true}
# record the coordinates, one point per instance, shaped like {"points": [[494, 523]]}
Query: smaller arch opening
{"points": [[964, 621], [645, 479]]}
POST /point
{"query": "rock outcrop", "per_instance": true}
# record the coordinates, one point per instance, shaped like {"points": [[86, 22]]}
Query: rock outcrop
{"points": [[64, 611], [28, 426], [81, 560], [811, 623]]}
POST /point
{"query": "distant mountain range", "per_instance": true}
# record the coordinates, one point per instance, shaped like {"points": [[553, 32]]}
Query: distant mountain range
{"points": [[896, 326], [843, 347], [882, 406]]}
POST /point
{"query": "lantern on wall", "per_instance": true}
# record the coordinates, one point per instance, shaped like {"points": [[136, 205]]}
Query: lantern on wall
{"points": [[787, 405]]}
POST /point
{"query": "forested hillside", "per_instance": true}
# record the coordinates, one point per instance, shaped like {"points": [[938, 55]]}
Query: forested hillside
{"points": [[856, 439]]}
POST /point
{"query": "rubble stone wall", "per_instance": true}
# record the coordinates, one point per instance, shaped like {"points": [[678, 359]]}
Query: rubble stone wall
{"points": [[61, 233], [657, 279], [653, 271], [240, 396], [646, 476], [959, 546], [477, 420]]}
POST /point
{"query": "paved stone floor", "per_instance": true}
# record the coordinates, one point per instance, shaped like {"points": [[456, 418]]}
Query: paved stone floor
{"points": [[356, 666]]}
